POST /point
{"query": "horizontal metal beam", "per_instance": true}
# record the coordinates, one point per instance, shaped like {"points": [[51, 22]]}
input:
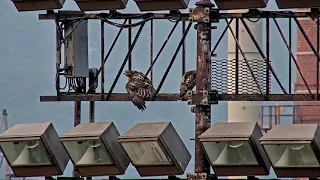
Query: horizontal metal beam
{"points": [[99, 97], [270, 97], [64, 15], [175, 97]]}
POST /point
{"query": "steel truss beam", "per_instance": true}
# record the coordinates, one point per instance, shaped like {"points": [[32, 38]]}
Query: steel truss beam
{"points": [[65, 15], [69, 16], [175, 97]]}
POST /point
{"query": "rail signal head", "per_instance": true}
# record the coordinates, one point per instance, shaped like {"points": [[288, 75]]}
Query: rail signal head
{"points": [[155, 149], [235, 145], [156, 5], [293, 149], [236, 4], [286, 4], [96, 5], [33, 150], [94, 149], [34, 5]]}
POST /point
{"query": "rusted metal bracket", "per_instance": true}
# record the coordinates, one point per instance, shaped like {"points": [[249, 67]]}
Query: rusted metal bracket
{"points": [[198, 109], [202, 97], [201, 176], [199, 14], [203, 14], [196, 176], [198, 98], [63, 178]]}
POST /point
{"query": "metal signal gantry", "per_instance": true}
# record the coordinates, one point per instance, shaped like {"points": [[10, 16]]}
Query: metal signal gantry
{"points": [[218, 70], [204, 94], [208, 68]]}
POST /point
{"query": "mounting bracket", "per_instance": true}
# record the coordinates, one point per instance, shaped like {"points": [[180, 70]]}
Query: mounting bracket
{"points": [[203, 14], [201, 176], [202, 97], [198, 109]]}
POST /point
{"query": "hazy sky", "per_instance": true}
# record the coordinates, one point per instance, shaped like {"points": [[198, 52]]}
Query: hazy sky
{"points": [[27, 48]]}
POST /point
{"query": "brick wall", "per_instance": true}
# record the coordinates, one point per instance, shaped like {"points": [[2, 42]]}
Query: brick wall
{"points": [[307, 63]]}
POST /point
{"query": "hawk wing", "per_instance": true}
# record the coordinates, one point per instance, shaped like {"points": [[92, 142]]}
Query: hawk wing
{"points": [[146, 91], [132, 88], [139, 76], [138, 92], [188, 82]]}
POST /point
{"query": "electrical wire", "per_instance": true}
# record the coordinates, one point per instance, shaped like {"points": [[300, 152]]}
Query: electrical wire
{"points": [[172, 17], [74, 83], [124, 25], [253, 21]]}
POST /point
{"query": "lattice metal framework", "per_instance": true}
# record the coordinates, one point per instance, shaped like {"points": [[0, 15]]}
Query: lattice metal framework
{"points": [[238, 92]]}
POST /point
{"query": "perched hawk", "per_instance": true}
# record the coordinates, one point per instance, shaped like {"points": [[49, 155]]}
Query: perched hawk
{"points": [[139, 88], [187, 83]]}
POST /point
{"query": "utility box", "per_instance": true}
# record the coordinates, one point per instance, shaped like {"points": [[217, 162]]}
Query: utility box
{"points": [[76, 49]]}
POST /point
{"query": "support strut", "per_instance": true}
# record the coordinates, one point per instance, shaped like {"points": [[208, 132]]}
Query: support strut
{"points": [[203, 116]]}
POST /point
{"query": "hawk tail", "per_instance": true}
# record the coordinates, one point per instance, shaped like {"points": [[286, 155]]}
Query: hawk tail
{"points": [[139, 103]]}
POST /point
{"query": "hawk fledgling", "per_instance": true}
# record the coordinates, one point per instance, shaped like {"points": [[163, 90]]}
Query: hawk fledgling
{"points": [[188, 82], [139, 88]]}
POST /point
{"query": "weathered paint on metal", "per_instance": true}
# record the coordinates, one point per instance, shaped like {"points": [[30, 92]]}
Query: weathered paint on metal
{"points": [[175, 97], [203, 118], [65, 15], [76, 121]]}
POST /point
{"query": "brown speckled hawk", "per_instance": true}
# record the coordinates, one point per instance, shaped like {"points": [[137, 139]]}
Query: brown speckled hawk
{"points": [[139, 88], [188, 82]]}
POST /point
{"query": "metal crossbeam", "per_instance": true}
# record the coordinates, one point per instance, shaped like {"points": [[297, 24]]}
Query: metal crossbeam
{"points": [[175, 97], [65, 15]]}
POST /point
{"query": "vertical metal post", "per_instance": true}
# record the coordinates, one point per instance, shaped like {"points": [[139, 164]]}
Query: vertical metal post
{"points": [[129, 45], [318, 58], [183, 49], [77, 120], [270, 117], [91, 119], [294, 114], [268, 55], [102, 59], [237, 56], [92, 103], [290, 58], [276, 114], [91, 111], [58, 58], [203, 116], [151, 50], [262, 116], [5, 127]]}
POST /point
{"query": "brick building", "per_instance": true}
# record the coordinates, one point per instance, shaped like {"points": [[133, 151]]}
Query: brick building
{"points": [[307, 62]]}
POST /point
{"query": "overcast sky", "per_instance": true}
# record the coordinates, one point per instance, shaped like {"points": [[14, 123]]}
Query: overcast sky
{"points": [[27, 48]]}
